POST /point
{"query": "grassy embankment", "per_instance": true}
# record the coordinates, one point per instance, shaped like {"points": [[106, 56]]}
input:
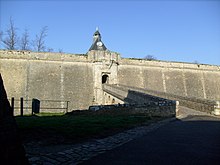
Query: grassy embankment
{"points": [[65, 128]]}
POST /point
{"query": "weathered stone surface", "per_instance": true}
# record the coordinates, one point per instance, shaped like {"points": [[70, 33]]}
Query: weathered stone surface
{"points": [[11, 150], [183, 79], [78, 78]]}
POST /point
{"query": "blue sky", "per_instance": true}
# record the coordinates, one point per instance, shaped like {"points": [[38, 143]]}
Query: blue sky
{"points": [[184, 31]]}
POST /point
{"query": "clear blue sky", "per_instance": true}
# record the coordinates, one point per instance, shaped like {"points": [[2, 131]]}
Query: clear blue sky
{"points": [[184, 31]]}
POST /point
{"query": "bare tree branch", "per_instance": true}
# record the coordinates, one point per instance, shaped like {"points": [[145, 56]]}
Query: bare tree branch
{"points": [[50, 50], [11, 41], [25, 43], [39, 42]]}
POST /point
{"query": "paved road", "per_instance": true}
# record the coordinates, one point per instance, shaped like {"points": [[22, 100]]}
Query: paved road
{"points": [[77, 153], [192, 139]]}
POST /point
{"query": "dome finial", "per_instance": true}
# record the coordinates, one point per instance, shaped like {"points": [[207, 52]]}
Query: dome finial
{"points": [[97, 28]]}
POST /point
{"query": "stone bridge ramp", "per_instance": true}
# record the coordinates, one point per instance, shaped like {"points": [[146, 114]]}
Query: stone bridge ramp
{"points": [[133, 96], [118, 92], [139, 95], [140, 102]]}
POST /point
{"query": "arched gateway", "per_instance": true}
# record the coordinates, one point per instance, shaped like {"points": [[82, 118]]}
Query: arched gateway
{"points": [[105, 66], [105, 79]]}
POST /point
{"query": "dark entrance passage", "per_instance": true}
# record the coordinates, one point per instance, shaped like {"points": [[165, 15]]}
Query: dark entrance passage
{"points": [[105, 79]]}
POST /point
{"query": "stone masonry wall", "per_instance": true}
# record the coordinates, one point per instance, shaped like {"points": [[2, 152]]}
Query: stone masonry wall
{"points": [[204, 105], [71, 77], [48, 76], [182, 79]]}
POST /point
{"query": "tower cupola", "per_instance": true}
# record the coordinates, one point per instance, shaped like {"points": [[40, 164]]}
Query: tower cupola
{"points": [[97, 42], [96, 35]]}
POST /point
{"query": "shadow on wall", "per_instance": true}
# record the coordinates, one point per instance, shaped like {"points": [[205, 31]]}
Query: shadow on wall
{"points": [[204, 105], [11, 148]]}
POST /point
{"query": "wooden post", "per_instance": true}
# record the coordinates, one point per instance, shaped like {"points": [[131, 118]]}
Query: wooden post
{"points": [[13, 105], [22, 105]]}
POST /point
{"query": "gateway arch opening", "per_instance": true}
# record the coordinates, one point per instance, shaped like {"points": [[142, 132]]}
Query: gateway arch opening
{"points": [[105, 79]]}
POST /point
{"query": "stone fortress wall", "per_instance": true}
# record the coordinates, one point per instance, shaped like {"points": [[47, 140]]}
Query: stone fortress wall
{"points": [[182, 79], [48, 76], [78, 78]]}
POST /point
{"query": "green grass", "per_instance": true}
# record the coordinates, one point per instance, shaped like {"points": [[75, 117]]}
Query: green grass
{"points": [[76, 127]]}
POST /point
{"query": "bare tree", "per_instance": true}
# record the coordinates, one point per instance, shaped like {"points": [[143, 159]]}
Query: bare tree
{"points": [[25, 43], [150, 57], [11, 40], [60, 50], [50, 50], [196, 62], [39, 42]]}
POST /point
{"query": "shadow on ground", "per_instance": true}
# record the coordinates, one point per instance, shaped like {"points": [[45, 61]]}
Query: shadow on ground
{"points": [[191, 140]]}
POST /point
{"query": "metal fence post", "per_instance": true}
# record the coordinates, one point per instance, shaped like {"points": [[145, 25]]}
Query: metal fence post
{"points": [[13, 105], [22, 105]]}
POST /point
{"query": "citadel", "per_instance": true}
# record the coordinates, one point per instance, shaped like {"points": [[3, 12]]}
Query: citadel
{"points": [[102, 77]]}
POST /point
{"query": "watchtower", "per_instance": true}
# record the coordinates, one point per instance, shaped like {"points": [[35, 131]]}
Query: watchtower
{"points": [[105, 66]]}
